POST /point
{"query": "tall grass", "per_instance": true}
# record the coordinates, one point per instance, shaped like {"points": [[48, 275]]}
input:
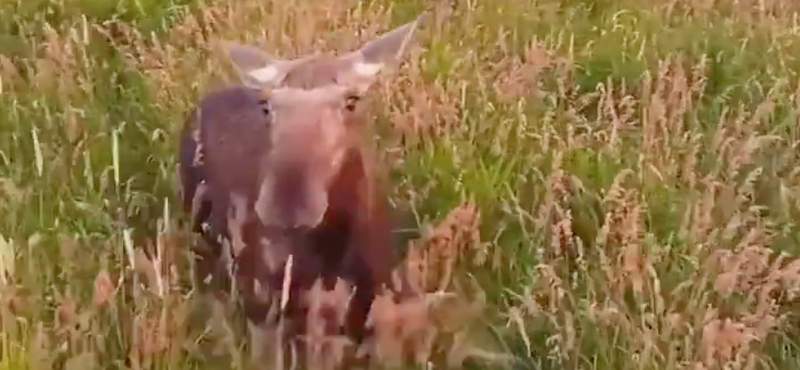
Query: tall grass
{"points": [[605, 184]]}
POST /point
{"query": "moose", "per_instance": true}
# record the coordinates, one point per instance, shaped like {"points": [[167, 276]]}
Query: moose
{"points": [[279, 166]]}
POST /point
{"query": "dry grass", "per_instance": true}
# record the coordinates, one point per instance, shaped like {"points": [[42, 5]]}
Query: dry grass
{"points": [[608, 186]]}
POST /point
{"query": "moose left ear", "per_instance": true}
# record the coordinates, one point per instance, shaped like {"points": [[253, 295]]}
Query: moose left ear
{"points": [[258, 69], [363, 65]]}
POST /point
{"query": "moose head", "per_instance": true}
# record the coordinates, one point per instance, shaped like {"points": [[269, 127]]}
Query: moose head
{"points": [[312, 105]]}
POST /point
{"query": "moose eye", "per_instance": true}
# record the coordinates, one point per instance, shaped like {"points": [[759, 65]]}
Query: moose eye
{"points": [[263, 101], [264, 104], [351, 101]]}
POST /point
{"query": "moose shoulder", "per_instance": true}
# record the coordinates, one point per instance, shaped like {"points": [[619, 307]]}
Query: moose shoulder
{"points": [[281, 165]]}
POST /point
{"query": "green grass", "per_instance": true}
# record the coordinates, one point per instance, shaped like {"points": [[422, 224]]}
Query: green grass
{"points": [[699, 107]]}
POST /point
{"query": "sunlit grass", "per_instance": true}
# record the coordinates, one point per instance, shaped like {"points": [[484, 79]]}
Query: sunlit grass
{"points": [[632, 166]]}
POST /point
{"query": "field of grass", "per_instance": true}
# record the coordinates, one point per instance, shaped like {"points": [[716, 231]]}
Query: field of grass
{"points": [[620, 177]]}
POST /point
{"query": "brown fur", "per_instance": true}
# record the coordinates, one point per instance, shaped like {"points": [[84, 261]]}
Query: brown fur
{"points": [[353, 239], [288, 151]]}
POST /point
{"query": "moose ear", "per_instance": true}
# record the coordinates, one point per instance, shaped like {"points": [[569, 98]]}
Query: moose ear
{"points": [[257, 69], [363, 65]]}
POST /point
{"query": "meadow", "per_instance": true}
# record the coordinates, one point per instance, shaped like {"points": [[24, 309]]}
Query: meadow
{"points": [[608, 184]]}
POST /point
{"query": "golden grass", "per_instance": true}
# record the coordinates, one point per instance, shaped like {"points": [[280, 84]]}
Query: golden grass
{"points": [[583, 222]]}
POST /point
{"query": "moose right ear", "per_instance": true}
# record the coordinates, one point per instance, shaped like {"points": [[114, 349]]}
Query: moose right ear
{"points": [[364, 64], [257, 69]]}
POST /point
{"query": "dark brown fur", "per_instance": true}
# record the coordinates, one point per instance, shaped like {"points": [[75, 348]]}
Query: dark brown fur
{"points": [[353, 240]]}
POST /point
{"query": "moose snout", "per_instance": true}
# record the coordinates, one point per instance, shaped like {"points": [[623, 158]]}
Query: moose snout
{"points": [[292, 218], [294, 212], [300, 217]]}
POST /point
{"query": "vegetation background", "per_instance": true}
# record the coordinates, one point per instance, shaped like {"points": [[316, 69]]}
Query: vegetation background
{"points": [[622, 176]]}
